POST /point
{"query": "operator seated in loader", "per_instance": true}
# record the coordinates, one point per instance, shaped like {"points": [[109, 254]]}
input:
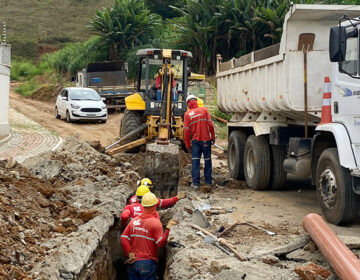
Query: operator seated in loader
{"points": [[158, 86], [133, 210]]}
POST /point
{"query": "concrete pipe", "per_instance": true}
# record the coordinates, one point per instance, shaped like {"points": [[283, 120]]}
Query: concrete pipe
{"points": [[343, 261]]}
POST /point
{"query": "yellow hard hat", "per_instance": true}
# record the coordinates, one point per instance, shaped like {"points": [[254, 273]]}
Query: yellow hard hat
{"points": [[146, 182], [142, 190], [149, 199]]}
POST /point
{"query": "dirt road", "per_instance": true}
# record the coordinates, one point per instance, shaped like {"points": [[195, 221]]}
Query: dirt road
{"points": [[43, 113]]}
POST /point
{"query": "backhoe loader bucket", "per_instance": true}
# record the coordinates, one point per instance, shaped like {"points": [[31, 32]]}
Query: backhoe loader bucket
{"points": [[162, 166]]}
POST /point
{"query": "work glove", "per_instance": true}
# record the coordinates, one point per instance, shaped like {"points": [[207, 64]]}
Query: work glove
{"points": [[131, 258], [213, 141], [181, 195], [171, 223]]}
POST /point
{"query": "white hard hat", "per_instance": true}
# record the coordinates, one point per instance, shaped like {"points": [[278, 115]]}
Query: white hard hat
{"points": [[190, 97]]}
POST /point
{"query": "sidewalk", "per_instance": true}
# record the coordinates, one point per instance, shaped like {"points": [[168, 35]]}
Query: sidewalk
{"points": [[27, 138]]}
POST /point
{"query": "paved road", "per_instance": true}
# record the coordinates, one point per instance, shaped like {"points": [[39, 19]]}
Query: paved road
{"points": [[27, 138]]}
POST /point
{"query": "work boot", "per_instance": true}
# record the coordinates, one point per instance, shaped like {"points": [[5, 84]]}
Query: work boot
{"points": [[195, 187]]}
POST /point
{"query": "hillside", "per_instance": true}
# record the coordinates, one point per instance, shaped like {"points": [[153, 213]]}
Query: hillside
{"points": [[35, 26]]}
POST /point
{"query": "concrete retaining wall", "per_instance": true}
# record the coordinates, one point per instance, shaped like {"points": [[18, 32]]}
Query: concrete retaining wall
{"points": [[5, 53]]}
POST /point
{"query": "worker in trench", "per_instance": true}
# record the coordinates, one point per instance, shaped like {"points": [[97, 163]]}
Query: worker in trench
{"points": [[142, 238], [144, 181], [199, 135], [135, 209]]}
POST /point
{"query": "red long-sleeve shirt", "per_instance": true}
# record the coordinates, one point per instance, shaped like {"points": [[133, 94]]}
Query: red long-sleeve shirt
{"points": [[197, 124], [133, 210], [143, 236], [158, 82], [132, 199]]}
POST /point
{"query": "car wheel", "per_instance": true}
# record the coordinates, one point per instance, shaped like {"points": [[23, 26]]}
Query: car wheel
{"points": [[103, 121], [68, 118], [338, 201], [57, 113]]}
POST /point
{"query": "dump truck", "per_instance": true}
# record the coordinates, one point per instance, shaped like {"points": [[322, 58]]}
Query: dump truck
{"points": [[109, 79], [275, 97]]}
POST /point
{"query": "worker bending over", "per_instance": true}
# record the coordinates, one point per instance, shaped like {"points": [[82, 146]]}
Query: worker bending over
{"points": [[199, 135], [133, 210], [142, 238], [144, 181]]}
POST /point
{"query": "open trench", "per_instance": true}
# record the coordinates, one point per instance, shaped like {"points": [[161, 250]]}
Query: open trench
{"points": [[107, 261]]}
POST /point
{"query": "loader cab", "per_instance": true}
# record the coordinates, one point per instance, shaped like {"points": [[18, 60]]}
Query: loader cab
{"points": [[150, 60]]}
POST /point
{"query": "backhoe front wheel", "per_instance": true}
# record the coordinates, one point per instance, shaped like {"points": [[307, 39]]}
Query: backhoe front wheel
{"points": [[339, 203], [131, 121]]}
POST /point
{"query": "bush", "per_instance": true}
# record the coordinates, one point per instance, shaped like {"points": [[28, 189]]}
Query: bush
{"points": [[28, 87], [24, 70], [75, 56]]}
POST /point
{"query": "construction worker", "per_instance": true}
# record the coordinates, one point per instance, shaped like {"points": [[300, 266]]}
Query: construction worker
{"points": [[199, 135], [158, 86], [133, 210], [144, 181], [142, 238]]}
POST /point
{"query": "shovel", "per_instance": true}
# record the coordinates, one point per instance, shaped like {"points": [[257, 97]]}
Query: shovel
{"points": [[212, 240], [238, 218]]}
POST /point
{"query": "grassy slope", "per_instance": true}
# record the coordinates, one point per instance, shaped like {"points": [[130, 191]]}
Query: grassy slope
{"points": [[50, 21]]}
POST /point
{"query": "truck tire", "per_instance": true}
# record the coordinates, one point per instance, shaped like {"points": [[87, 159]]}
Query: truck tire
{"points": [[339, 203], [235, 154], [130, 121], [257, 162], [278, 175]]}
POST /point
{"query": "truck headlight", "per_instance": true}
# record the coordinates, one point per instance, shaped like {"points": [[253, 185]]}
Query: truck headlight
{"points": [[103, 107], [74, 106]]}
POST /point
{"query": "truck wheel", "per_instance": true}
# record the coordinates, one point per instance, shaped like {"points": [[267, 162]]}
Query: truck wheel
{"points": [[338, 202], [235, 154], [278, 174], [68, 118], [57, 113], [257, 163], [130, 121]]}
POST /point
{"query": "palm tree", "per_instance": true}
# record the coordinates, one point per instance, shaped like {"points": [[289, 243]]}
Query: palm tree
{"points": [[124, 26]]}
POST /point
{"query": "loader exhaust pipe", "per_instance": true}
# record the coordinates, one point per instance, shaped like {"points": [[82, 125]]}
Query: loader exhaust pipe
{"points": [[343, 261]]}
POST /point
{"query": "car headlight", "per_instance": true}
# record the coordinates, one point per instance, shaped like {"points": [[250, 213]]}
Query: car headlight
{"points": [[74, 106], [103, 107]]}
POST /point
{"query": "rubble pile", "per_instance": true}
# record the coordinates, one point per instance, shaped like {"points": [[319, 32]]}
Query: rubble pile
{"points": [[56, 207], [31, 211]]}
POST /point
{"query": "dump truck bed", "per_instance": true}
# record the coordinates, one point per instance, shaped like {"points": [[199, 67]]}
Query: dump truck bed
{"points": [[272, 79]]}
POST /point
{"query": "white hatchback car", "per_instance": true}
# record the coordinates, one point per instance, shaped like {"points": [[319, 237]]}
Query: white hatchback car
{"points": [[80, 104]]}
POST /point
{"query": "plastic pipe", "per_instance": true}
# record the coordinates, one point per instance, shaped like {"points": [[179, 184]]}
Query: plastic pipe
{"points": [[343, 261]]}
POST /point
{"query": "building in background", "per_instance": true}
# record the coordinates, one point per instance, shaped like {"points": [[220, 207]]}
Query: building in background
{"points": [[5, 52]]}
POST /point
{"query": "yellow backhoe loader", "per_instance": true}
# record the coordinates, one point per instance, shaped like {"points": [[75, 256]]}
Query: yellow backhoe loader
{"points": [[155, 113]]}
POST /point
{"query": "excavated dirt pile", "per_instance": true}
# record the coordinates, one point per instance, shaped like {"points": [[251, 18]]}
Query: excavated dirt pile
{"points": [[56, 208]]}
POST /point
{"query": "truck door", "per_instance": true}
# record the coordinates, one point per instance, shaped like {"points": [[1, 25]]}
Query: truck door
{"points": [[346, 92]]}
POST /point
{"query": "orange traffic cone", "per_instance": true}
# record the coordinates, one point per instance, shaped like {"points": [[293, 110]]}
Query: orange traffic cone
{"points": [[326, 107]]}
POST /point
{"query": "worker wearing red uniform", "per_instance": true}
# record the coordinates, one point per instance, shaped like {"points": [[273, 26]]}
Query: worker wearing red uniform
{"points": [[144, 181], [199, 135], [142, 238], [133, 210]]}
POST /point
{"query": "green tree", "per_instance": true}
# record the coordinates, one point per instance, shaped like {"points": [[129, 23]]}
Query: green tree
{"points": [[163, 7], [198, 31], [126, 25]]}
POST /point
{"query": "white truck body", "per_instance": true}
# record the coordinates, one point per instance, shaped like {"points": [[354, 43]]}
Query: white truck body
{"points": [[276, 84], [270, 135]]}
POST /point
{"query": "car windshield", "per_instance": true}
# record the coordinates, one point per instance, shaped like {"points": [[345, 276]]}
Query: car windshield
{"points": [[84, 94]]}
